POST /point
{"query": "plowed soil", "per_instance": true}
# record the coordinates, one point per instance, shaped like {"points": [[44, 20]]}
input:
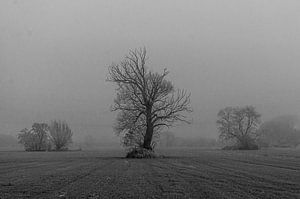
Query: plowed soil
{"points": [[183, 173]]}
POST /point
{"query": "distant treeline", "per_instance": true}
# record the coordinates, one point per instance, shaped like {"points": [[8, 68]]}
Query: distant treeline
{"points": [[168, 139], [43, 137], [192, 142], [281, 131], [9, 142]]}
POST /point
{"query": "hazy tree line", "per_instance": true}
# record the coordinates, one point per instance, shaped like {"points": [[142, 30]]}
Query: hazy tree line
{"points": [[41, 136], [282, 131], [242, 125], [168, 139], [147, 102], [241, 128]]}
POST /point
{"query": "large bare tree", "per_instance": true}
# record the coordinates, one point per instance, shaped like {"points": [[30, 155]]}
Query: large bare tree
{"points": [[147, 101]]}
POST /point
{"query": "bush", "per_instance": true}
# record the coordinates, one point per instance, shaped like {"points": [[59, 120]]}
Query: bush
{"points": [[244, 143], [251, 146], [234, 147], [247, 143], [141, 153]]}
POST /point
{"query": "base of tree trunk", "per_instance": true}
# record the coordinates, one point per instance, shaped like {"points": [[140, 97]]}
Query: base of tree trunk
{"points": [[141, 153]]}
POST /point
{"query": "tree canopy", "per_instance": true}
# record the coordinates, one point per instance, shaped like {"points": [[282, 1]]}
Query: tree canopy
{"points": [[146, 100], [61, 134], [239, 124], [36, 138]]}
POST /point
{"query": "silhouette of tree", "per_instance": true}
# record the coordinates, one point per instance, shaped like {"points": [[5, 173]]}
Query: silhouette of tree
{"points": [[147, 101], [239, 124], [61, 135], [36, 138]]}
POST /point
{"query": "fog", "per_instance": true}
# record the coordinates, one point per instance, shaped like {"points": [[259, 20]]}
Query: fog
{"points": [[54, 58]]}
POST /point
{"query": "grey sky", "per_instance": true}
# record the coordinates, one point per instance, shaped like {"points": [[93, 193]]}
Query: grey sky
{"points": [[54, 56]]}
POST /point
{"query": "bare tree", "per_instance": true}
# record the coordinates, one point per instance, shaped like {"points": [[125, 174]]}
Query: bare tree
{"points": [[36, 138], [41, 132], [146, 100], [61, 135], [26, 138], [239, 124]]}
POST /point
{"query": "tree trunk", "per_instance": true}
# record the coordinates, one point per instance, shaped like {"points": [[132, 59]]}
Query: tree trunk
{"points": [[149, 131], [148, 136]]}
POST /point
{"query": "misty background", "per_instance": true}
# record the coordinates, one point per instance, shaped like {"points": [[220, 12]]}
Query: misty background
{"points": [[54, 58]]}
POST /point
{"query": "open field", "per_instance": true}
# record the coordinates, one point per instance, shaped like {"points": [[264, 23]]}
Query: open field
{"points": [[185, 173]]}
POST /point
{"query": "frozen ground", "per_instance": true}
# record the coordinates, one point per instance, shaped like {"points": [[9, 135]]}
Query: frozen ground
{"points": [[184, 173]]}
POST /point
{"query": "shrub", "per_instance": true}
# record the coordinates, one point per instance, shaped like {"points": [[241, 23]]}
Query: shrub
{"points": [[141, 153], [247, 143]]}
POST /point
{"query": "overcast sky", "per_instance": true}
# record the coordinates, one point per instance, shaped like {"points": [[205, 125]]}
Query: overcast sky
{"points": [[54, 56]]}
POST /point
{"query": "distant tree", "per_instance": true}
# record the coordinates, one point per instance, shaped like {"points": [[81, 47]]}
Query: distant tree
{"points": [[36, 138], [280, 131], [147, 101], [26, 138], [61, 135], [239, 124], [41, 132]]}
